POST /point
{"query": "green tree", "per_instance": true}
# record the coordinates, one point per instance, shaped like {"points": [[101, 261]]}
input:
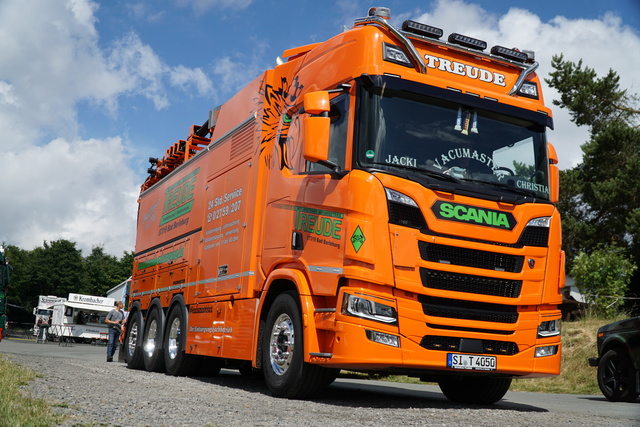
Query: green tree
{"points": [[600, 198], [99, 271], [59, 268], [20, 286], [103, 271], [602, 277]]}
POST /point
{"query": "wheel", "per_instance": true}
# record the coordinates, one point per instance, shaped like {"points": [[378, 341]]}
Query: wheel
{"points": [[477, 389], [176, 361], [152, 341], [616, 376], [132, 341], [285, 372]]}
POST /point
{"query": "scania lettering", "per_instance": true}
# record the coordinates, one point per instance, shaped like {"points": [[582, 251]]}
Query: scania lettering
{"points": [[381, 201], [475, 215]]}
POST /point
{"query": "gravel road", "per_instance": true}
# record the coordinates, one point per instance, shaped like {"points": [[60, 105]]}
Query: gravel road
{"points": [[93, 392]]}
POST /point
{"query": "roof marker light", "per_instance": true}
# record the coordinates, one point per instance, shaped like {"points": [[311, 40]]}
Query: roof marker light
{"points": [[395, 54], [529, 90], [422, 29], [512, 54], [466, 41]]}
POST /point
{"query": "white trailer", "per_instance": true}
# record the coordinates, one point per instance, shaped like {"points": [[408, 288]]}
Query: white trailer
{"points": [[81, 318], [44, 309]]}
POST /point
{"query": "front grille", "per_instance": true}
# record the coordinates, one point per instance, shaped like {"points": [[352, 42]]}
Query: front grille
{"points": [[432, 342], [531, 236], [468, 310], [458, 282], [470, 257], [407, 216], [534, 236]]}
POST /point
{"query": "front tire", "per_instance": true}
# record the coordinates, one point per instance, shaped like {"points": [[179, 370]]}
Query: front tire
{"points": [[285, 371], [152, 341], [616, 377], [477, 390]]}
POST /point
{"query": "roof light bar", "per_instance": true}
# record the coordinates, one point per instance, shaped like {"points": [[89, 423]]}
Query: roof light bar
{"points": [[512, 54], [422, 29], [466, 41]]}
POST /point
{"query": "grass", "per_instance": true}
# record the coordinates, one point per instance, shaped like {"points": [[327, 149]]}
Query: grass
{"points": [[576, 376], [16, 407]]}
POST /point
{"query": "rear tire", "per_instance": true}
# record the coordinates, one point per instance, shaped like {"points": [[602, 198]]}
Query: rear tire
{"points": [[177, 362], [616, 377], [478, 390], [285, 371], [133, 340], [152, 341]]}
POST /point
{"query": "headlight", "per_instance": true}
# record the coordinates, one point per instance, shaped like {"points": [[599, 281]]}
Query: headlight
{"points": [[544, 221], [356, 305], [398, 197], [549, 328]]}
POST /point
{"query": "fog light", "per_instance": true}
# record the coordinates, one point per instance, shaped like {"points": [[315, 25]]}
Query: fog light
{"points": [[549, 350], [549, 328], [382, 338]]}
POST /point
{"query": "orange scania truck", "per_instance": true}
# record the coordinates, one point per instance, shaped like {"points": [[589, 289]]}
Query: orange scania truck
{"points": [[384, 201]]}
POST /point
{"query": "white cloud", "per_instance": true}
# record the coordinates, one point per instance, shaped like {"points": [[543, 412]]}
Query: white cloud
{"points": [[138, 65], [185, 78], [76, 190], [55, 183], [602, 44]]}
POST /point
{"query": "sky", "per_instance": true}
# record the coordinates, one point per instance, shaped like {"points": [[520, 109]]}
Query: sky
{"points": [[89, 90]]}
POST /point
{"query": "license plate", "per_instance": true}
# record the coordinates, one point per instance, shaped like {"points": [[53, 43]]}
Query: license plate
{"points": [[471, 361]]}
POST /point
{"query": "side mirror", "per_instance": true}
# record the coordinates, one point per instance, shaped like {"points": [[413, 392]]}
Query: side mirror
{"points": [[317, 128], [554, 174]]}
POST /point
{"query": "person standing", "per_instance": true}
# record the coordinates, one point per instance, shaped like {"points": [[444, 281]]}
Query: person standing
{"points": [[115, 319], [41, 329]]}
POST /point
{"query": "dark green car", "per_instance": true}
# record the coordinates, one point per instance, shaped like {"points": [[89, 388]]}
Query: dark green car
{"points": [[618, 360]]}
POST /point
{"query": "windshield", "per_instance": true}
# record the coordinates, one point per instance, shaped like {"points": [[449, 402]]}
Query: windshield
{"points": [[448, 140]]}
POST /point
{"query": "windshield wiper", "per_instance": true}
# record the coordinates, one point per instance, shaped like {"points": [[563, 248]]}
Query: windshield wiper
{"points": [[426, 172]]}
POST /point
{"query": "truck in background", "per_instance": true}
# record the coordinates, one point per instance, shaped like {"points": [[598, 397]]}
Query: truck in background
{"points": [[4, 288], [81, 318], [44, 310], [382, 201]]}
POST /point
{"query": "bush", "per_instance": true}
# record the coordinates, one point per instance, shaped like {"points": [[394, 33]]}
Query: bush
{"points": [[603, 277]]}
